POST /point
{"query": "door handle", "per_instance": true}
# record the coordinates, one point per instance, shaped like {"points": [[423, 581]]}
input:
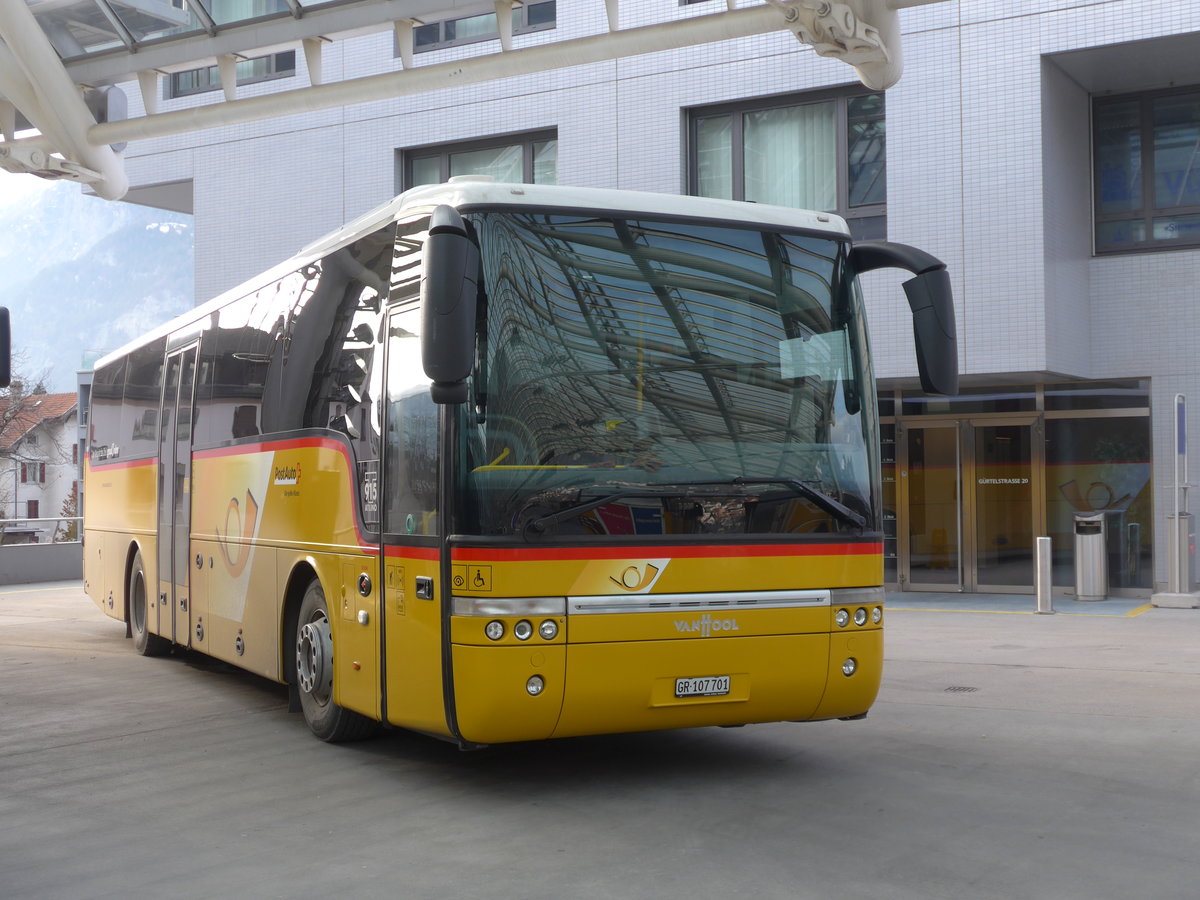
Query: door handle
{"points": [[424, 587]]}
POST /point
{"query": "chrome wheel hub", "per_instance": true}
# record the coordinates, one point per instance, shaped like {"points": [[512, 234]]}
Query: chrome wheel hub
{"points": [[314, 659]]}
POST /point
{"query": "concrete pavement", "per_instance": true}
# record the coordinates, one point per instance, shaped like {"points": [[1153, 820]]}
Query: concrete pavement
{"points": [[1009, 755]]}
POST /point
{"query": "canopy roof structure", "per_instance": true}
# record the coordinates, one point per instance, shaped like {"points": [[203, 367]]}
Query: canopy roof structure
{"points": [[62, 114]]}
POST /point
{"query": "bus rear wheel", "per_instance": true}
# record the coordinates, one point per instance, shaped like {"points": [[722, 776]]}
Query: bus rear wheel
{"points": [[313, 673], [144, 642]]}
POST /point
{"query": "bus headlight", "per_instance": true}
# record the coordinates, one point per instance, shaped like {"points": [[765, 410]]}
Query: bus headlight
{"points": [[850, 666], [535, 685], [842, 617], [860, 616], [523, 630], [877, 615], [548, 630], [494, 629], [857, 596]]}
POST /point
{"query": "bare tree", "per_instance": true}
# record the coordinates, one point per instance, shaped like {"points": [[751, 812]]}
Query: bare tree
{"points": [[19, 415]]}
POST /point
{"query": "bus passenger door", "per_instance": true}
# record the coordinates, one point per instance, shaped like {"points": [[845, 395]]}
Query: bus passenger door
{"points": [[413, 596], [175, 495]]}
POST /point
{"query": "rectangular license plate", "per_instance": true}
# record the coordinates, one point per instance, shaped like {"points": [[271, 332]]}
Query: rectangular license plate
{"points": [[708, 686]]}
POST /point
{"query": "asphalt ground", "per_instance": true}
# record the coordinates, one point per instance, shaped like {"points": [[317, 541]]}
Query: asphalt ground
{"points": [[1010, 755]]}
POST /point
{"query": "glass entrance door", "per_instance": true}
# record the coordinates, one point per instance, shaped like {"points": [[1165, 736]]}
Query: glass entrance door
{"points": [[969, 516], [1002, 507], [931, 482]]}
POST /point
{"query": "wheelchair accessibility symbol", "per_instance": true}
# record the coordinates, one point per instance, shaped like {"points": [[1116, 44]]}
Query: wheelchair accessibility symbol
{"points": [[473, 578]]}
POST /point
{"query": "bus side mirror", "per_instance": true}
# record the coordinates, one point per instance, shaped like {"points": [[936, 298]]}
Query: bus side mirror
{"points": [[449, 284], [5, 348], [932, 304]]}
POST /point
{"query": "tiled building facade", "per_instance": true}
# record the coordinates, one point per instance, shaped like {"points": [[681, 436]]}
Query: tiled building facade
{"points": [[998, 160]]}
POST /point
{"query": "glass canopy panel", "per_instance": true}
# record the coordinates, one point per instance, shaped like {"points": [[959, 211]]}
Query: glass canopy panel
{"points": [[75, 27], [151, 19], [226, 12], [79, 27]]}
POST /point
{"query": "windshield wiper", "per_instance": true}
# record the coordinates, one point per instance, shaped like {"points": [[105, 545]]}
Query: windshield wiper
{"points": [[835, 508], [539, 525]]}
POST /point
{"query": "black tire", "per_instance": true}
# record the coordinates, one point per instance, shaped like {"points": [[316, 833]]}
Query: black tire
{"points": [[312, 671], [144, 642]]}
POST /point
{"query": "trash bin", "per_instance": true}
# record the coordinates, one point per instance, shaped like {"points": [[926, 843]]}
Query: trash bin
{"points": [[1181, 554], [1091, 557]]}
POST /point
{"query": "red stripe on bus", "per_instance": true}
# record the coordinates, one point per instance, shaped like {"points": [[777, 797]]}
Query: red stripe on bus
{"points": [[97, 466], [431, 554], [274, 447]]}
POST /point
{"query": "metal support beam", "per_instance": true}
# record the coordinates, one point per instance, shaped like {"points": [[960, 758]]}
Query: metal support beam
{"points": [[742, 22], [862, 33], [52, 103], [404, 41], [8, 120], [504, 23], [313, 49], [227, 70], [148, 83], [612, 9]]}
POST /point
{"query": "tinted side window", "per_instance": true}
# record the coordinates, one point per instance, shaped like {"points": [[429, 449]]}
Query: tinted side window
{"points": [[235, 360], [318, 326], [104, 428], [142, 396], [410, 504]]}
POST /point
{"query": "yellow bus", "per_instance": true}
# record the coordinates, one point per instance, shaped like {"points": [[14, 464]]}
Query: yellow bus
{"points": [[503, 462]]}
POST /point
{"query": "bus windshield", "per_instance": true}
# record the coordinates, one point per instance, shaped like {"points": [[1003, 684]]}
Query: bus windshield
{"points": [[642, 377]]}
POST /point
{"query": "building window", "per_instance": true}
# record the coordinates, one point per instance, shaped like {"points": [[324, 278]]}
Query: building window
{"points": [[249, 71], [33, 473], [817, 151], [33, 509], [523, 159], [1146, 158], [482, 27]]}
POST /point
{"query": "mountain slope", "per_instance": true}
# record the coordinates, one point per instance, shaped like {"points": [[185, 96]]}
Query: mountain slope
{"points": [[81, 274]]}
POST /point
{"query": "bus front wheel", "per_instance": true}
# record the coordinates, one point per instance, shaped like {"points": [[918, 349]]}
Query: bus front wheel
{"points": [[313, 674], [144, 642]]}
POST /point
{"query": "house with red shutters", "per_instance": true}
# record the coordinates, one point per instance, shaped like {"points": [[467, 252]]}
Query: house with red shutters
{"points": [[39, 466]]}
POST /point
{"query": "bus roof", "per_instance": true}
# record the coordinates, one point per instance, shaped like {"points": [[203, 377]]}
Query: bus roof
{"points": [[474, 191]]}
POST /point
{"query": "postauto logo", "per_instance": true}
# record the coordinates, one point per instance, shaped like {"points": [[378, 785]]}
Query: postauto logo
{"points": [[287, 474]]}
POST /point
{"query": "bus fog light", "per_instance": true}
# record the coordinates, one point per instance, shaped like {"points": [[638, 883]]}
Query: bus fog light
{"points": [[548, 630], [494, 629], [877, 615], [860, 616], [523, 630], [842, 618], [850, 666], [535, 685]]}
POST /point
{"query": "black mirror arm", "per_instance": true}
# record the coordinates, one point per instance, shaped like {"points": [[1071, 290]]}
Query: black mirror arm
{"points": [[870, 255], [932, 304]]}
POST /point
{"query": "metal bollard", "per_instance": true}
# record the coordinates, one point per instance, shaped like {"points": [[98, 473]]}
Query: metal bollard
{"points": [[1042, 576]]}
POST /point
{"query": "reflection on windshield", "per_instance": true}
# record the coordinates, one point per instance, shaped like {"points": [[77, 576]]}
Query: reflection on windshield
{"points": [[690, 373]]}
